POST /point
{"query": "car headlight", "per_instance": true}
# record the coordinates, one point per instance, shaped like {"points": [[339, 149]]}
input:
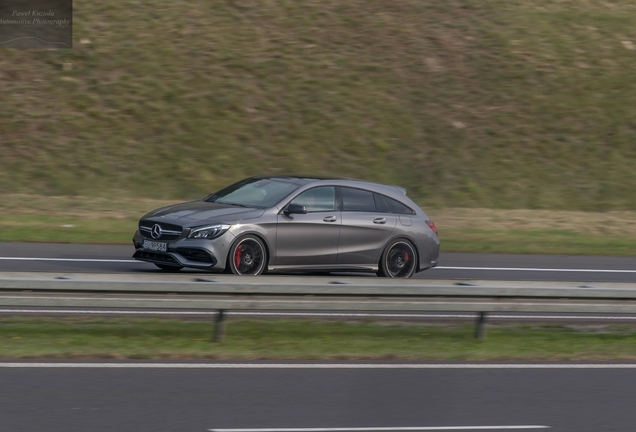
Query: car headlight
{"points": [[208, 232]]}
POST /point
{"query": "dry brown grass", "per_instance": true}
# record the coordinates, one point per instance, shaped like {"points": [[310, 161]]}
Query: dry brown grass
{"points": [[615, 223], [100, 220], [91, 208], [618, 223]]}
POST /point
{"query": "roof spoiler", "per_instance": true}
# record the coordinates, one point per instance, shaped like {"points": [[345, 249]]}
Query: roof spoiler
{"points": [[401, 189]]}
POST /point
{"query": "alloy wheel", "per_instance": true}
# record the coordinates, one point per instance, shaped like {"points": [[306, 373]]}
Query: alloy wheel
{"points": [[248, 256], [400, 260]]}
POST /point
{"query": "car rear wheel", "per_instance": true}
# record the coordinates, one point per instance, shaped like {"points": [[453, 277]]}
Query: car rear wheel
{"points": [[168, 268], [399, 260], [248, 256]]}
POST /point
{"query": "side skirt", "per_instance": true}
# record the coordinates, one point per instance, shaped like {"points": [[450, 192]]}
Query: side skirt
{"points": [[328, 267]]}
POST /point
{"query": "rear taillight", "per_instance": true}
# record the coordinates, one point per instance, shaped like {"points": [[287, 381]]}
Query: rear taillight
{"points": [[431, 225]]}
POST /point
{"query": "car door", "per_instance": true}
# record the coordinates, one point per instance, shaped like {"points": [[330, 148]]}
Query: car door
{"points": [[309, 239], [367, 225]]}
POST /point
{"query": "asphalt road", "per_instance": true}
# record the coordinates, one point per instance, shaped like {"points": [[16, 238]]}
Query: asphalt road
{"points": [[104, 399], [63, 258], [173, 399]]}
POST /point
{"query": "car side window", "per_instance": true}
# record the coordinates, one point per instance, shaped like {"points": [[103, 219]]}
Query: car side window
{"points": [[380, 205], [397, 207], [318, 199], [357, 200]]}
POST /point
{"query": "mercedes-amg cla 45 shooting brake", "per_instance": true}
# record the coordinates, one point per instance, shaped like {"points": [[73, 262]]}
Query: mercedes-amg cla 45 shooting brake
{"points": [[292, 224]]}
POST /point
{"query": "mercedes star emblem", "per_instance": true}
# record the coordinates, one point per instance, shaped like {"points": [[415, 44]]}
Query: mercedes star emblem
{"points": [[156, 231]]}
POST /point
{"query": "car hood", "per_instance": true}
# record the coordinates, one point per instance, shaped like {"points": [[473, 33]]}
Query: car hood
{"points": [[198, 212]]}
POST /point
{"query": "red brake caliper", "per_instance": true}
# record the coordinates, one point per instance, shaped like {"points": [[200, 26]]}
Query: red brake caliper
{"points": [[237, 256], [406, 257]]}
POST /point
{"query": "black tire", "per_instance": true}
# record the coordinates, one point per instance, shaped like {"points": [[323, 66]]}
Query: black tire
{"points": [[248, 256], [399, 260], [169, 268]]}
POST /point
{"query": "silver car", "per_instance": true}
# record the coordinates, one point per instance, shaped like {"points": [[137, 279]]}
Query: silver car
{"points": [[292, 224]]}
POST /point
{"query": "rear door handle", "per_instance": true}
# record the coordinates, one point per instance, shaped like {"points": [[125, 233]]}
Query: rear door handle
{"points": [[329, 219], [379, 221]]}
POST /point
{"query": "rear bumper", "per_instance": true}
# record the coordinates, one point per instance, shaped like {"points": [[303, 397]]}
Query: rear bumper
{"points": [[429, 253]]}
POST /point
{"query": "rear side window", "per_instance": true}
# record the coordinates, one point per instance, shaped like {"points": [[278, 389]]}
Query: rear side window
{"points": [[397, 207], [357, 200], [380, 205], [317, 199]]}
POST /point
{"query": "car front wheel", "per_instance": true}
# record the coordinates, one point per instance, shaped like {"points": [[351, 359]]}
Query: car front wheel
{"points": [[248, 256], [399, 260]]}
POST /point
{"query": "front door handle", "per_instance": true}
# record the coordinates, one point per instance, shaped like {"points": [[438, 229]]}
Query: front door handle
{"points": [[379, 221], [329, 219]]}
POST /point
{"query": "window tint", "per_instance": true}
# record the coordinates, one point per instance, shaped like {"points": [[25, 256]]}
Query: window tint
{"points": [[380, 205], [317, 199], [397, 207], [357, 200]]}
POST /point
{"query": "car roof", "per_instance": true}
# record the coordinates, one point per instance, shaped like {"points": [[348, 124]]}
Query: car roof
{"points": [[340, 181], [297, 178]]}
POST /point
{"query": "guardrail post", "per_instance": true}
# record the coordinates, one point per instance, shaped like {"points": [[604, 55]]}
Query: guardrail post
{"points": [[219, 327], [480, 332]]}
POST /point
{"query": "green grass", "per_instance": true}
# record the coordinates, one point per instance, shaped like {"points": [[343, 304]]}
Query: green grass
{"points": [[108, 231], [59, 229], [466, 103], [305, 340]]}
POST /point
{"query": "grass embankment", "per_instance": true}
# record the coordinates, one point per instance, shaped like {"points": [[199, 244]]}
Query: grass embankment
{"points": [[92, 220], [466, 103], [306, 340]]}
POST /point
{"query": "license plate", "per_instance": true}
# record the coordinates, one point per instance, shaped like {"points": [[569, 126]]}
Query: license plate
{"points": [[155, 246]]}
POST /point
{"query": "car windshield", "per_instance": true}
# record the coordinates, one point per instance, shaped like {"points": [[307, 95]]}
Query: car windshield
{"points": [[259, 193]]}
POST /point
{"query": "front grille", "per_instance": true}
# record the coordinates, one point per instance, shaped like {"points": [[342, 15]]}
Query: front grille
{"points": [[197, 255], [169, 231], [155, 256]]}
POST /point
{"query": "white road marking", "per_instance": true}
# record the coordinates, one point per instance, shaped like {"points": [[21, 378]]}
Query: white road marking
{"points": [[127, 261], [314, 314], [131, 261], [382, 429], [433, 315], [537, 269], [315, 366]]}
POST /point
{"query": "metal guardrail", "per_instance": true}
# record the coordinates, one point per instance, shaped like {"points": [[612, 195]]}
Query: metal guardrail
{"points": [[261, 294]]}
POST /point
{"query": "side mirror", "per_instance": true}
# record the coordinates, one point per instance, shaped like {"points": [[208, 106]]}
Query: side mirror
{"points": [[295, 209]]}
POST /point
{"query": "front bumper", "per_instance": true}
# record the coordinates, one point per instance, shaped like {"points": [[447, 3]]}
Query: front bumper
{"points": [[194, 253]]}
